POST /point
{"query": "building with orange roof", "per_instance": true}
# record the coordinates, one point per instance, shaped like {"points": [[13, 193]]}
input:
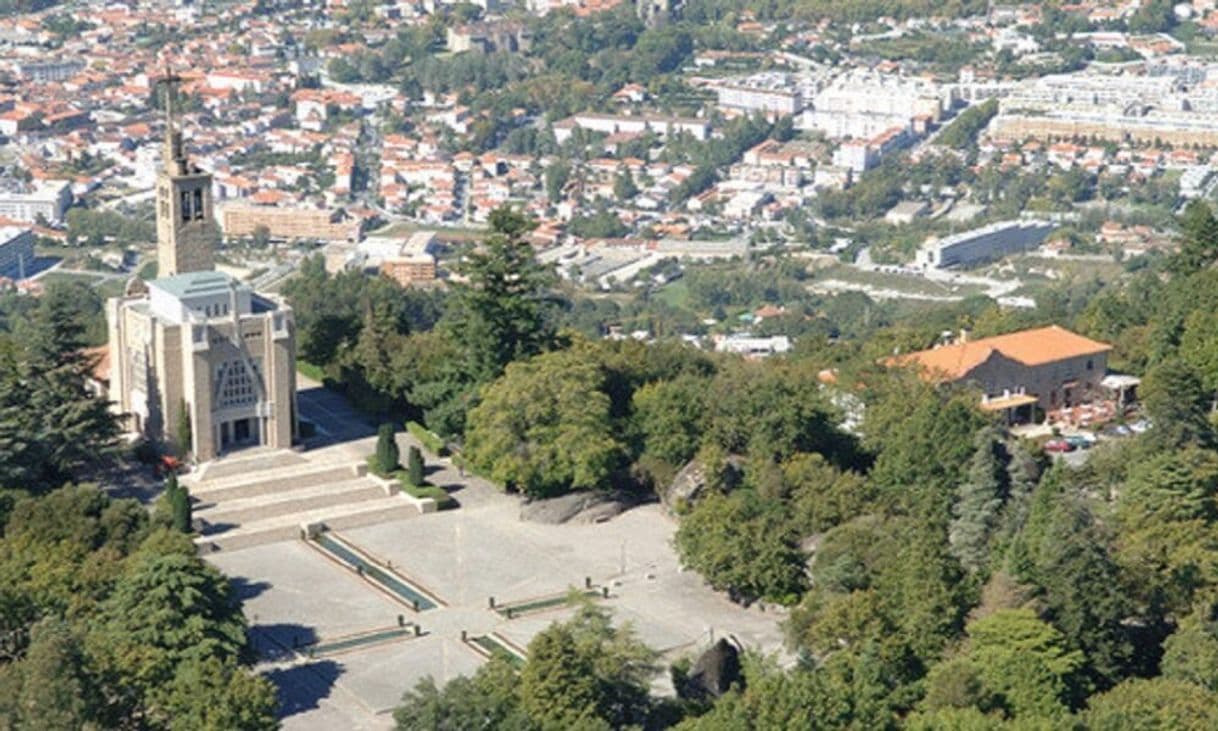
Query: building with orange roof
{"points": [[1048, 367]]}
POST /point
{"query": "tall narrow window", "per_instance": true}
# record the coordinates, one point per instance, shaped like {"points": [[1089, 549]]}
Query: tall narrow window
{"points": [[185, 205], [198, 209]]}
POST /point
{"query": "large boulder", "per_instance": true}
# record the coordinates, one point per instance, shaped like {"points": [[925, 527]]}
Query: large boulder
{"points": [[691, 482], [714, 672], [585, 506], [685, 488]]}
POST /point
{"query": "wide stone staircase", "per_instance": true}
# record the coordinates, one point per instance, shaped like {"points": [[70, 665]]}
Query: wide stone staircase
{"points": [[264, 496]]}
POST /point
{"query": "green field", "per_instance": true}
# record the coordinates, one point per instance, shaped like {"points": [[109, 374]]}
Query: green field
{"points": [[675, 294]]}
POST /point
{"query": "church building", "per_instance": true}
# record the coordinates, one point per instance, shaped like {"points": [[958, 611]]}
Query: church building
{"points": [[196, 355]]}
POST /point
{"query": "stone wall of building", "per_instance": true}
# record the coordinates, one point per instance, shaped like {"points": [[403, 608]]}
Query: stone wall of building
{"points": [[999, 374]]}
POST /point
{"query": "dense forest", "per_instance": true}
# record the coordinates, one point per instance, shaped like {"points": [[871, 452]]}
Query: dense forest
{"points": [[940, 572]]}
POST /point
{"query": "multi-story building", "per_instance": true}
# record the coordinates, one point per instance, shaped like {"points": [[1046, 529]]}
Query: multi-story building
{"points": [[863, 154], [886, 95], [983, 244], [48, 201], [16, 251], [771, 93], [700, 129], [487, 37], [1156, 129], [197, 358], [285, 223], [410, 270], [49, 71], [1150, 104], [1049, 367]]}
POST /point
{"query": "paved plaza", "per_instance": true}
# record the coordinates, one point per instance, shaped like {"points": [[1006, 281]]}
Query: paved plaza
{"points": [[295, 595]]}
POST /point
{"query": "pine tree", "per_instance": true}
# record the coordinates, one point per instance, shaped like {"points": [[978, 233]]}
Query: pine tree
{"points": [[1022, 474], [386, 458], [66, 427], [183, 518], [185, 435], [1178, 405], [501, 314], [978, 502], [1198, 241], [414, 466]]}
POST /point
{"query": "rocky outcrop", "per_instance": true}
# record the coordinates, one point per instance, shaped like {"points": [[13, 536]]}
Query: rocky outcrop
{"points": [[691, 482], [714, 672], [578, 507]]}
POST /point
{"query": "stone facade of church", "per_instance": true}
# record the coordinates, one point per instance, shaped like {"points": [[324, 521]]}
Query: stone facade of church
{"points": [[198, 339]]}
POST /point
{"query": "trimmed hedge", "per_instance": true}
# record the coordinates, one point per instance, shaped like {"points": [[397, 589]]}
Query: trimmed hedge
{"points": [[429, 439], [444, 501]]}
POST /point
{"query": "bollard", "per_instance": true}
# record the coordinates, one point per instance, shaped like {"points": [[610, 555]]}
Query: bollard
{"points": [[491, 602], [401, 621], [464, 636], [418, 631], [587, 582], [604, 592], [359, 569], [415, 603], [509, 613]]}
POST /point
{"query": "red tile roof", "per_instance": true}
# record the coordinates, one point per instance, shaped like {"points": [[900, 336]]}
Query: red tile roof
{"points": [[1030, 347]]}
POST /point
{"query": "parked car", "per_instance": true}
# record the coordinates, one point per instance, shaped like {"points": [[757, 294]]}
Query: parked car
{"points": [[1080, 441], [1060, 446]]}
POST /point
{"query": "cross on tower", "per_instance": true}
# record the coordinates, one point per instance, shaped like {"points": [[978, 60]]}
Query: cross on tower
{"points": [[173, 153], [169, 81]]}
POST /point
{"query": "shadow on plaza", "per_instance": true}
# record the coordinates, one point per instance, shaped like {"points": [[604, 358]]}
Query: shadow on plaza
{"points": [[302, 687], [244, 589], [211, 529], [274, 641], [335, 420]]}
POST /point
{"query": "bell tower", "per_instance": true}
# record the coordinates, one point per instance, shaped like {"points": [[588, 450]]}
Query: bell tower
{"points": [[185, 225]]}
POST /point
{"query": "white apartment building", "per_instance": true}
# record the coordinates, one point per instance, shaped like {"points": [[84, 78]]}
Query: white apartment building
{"points": [[983, 244], [611, 124], [885, 94], [837, 125], [48, 199], [770, 93]]}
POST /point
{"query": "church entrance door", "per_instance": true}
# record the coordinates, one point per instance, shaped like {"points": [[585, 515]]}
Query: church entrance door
{"points": [[241, 431]]}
